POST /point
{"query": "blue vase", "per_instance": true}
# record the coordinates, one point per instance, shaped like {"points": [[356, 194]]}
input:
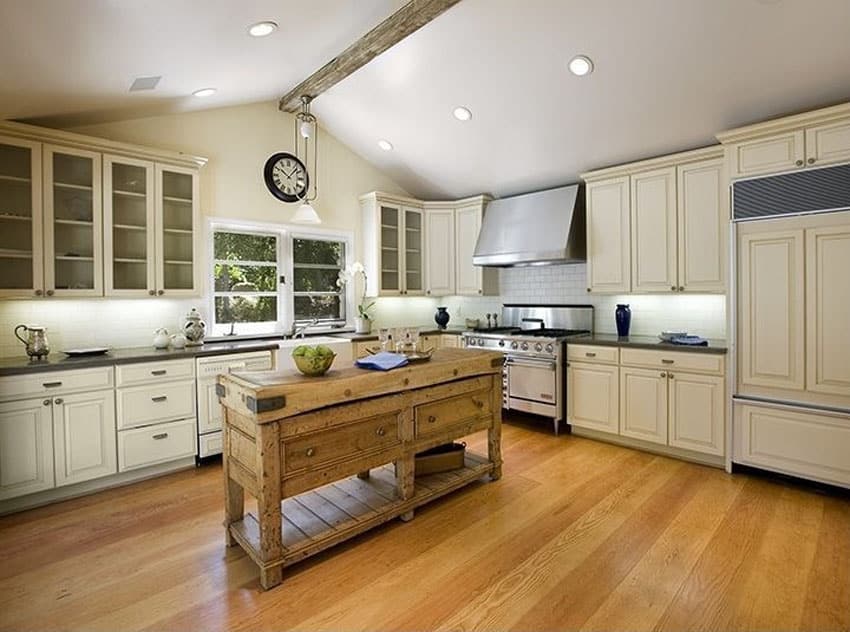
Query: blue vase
{"points": [[623, 317], [441, 317]]}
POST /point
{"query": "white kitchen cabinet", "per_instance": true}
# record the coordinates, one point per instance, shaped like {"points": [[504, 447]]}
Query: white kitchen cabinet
{"points": [[152, 445], [84, 436], [828, 143], [593, 398], [768, 155], [21, 251], [608, 236], [73, 222], [178, 232], [26, 447], [470, 278], [393, 241], [643, 399], [440, 251], [696, 412], [653, 231]]}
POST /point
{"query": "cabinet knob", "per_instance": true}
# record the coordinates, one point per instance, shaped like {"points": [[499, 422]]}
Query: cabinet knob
{"points": [[670, 375], [161, 292], [310, 452], [588, 289], [681, 288], [799, 163], [428, 292], [152, 292], [663, 374], [431, 419], [46, 402], [49, 292], [481, 291], [673, 287], [58, 401], [811, 161], [39, 292], [381, 431]]}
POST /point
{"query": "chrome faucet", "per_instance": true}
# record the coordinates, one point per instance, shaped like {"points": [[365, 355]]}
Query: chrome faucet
{"points": [[298, 332], [232, 331]]}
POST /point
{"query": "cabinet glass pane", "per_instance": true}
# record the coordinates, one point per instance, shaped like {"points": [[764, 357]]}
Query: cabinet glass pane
{"points": [[129, 227], [177, 229], [16, 217], [390, 238], [73, 222], [413, 250]]}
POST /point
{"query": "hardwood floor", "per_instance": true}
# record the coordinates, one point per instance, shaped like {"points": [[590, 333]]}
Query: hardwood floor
{"points": [[577, 535]]}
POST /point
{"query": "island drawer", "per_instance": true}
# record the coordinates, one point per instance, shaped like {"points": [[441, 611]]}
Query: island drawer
{"points": [[342, 442], [151, 445], [55, 382], [148, 372], [593, 353], [682, 360], [436, 417], [154, 403]]}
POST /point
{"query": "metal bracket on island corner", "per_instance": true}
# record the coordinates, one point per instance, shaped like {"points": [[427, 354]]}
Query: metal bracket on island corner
{"points": [[220, 390], [264, 405]]}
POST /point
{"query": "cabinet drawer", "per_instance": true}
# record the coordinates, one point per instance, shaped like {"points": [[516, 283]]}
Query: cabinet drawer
{"points": [[211, 367], [593, 353], [341, 444], [682, 360], [148, 372], [436, 417], [209, 444], [141, 447], [55, 382], [154, 403]]}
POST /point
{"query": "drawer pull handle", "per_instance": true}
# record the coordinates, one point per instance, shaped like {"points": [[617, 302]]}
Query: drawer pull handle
{"points": [[159, 398], [161, 435], [431, 419], [665, 361], [478, 403], [310, 452], [381, 431], [159, 372], [51, 384], [590, 355]]}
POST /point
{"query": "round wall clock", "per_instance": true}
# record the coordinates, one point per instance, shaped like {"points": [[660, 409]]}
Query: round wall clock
{"points": [[286, 177]]}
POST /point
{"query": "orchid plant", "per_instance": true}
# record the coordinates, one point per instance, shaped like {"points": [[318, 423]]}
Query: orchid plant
{"points": [[353, 274]]}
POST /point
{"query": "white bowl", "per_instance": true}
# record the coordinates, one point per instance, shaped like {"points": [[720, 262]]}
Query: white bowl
{"points": [[667, 336]]}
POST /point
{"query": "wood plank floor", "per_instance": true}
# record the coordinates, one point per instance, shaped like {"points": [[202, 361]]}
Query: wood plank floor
{"points": [[577, 535]]}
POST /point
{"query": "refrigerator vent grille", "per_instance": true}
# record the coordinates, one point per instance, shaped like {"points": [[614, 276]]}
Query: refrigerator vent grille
{"points": [[807, 191]]}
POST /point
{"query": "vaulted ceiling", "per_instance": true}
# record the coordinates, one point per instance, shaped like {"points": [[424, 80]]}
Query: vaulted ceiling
{"points": [[668, 75]]}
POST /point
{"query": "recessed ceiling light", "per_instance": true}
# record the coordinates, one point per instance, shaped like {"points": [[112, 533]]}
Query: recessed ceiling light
{"points": [[261, 29], [462, 114], [385, 145], [581, 65], [204, 92]]}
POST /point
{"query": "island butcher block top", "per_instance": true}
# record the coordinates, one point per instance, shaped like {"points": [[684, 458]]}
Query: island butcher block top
{"points": [[330, 457]]}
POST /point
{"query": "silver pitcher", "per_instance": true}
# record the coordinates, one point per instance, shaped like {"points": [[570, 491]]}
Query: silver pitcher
{"points": [[35, 341]]}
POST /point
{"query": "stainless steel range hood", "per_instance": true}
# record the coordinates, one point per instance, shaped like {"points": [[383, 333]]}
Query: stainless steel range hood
{"points": [[545, 227]]}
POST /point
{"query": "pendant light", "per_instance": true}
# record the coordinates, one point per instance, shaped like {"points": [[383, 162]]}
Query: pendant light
{"points": [[307, 133]]}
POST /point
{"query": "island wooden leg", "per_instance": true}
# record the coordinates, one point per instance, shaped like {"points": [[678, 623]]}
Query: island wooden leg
{"points": [[234, 495], [494, 433], [364, 475], [269, 509]]}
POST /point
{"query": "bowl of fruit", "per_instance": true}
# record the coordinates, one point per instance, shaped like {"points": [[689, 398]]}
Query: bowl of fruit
{"points": [[313, 361]]}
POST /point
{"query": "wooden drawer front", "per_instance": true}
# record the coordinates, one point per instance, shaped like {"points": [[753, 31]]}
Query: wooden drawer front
{"points": [[436, 417], [141, 447], [682, 360], [361, 349], [593, 353], [148, 372], [142, 405], [450, 341], [802, 443], [55, 382], [340, 444]]}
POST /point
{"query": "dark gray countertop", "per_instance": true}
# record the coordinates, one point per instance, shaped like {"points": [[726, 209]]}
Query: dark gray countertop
{"points": [[645, 342], [58, 361], [456, 331]]}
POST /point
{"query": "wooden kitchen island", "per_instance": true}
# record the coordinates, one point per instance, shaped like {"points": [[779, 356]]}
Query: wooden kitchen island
{"points": [[328, 458]]}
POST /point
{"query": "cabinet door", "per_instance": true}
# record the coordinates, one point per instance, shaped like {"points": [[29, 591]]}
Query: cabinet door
{"points": [[653, 231], [828, 143], [21, 254], [128, 227], [26, 447], [697, 412], [827, 304], [593, 397], [391, 261], [73, 218], [469, 278], [608, 240], [178, 229], [414, 247], [703, 226], [767, 155], [449, 341], [84, 437], [771, 308], [440, 256], [209, 408], [643, 404]]}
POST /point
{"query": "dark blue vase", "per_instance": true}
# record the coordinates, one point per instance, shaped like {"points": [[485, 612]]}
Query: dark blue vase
{"points": [[623, 316], [441, 317]]}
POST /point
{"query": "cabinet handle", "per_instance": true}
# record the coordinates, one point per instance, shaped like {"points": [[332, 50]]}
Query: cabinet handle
{"points": [[159, 372], [58, 401], [428, 292], [670, 375], [152, 292], [51, 384], [46, 402], [673, 287], [588, 289], [481, 291], [160, 292], [667, 361], [799, 163], [681, 288], [589, 354], [159, 398], [811, 161], [49, 292], [380, 431], [39, 292], [431, 419], [478, 403], [663, 375], [310, 452], [161, 435]]}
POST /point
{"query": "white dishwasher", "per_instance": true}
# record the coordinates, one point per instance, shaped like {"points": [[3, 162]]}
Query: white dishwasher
{"points": [[209, 409]]}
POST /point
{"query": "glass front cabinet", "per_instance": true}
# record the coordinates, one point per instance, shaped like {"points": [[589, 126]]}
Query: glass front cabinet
{"points": [[77, 222], [393, 246]]}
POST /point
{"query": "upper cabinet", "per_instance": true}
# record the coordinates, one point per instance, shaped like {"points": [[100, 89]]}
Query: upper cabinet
{"points": [[82, 216], [394, 241], [801, 141], [440, 240], [658, 226]]}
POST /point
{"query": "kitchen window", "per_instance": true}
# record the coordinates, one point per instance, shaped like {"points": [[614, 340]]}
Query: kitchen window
{"points": [[267, 280]]}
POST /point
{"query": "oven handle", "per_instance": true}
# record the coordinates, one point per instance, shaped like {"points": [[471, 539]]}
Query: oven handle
{"points": [[533, 363]]}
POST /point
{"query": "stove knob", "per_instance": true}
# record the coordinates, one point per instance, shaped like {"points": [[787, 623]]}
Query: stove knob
{"points": [[550, 348], [481, 342], [538, 347], [513, 345], [470, 342], [501, 343], [524, 346]]}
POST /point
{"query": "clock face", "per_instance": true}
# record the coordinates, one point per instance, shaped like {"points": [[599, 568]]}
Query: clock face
{"points": [[286, 177]]}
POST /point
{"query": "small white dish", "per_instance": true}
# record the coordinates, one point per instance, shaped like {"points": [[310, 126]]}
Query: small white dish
{"points": [[667, 336]]}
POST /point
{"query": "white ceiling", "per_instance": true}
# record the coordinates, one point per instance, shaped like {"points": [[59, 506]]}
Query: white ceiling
{"points": [[669, 74]]}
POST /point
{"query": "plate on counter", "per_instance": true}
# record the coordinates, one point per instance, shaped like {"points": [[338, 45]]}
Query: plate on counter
{"points": [[412, 356], [87, 351]]}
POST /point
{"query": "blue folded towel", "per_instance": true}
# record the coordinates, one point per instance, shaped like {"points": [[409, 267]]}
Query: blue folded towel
{"points": [[383, 361], [693, 341]]}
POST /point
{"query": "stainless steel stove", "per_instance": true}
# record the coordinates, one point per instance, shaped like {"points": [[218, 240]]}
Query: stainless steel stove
{"points": [[533, 339]]}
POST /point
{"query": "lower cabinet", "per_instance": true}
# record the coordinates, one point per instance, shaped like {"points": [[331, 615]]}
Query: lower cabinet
{"points": [[593, 398], [84, 436], [697, 412], [151, 445], [26, 447], [643, 395]]}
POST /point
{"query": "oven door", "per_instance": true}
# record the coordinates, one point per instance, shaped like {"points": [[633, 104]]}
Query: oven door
{"points": [[532, 385]]}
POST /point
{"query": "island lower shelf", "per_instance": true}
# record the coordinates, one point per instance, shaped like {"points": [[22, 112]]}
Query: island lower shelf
{"points": [[319, 519]]}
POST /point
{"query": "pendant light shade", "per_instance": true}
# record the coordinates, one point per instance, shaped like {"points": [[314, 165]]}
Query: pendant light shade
{"points": [[306, 214]]}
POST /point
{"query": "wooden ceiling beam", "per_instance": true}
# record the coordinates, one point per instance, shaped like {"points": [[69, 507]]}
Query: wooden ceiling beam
{"points": [[410, 18]]}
